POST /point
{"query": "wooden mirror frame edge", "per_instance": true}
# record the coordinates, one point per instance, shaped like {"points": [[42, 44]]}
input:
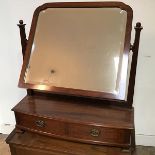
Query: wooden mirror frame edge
{"points": [[68, 91]]}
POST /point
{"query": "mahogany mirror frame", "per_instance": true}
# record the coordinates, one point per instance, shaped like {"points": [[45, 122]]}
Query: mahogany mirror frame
{"points": [[120, 97]]}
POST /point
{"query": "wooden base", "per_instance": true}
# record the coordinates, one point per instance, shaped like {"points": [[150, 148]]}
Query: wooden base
{"points": [[28, 143], [76, 120]]}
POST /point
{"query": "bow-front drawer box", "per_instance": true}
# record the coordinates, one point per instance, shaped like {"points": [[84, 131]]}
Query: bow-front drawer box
{"points": [[67, 121]]}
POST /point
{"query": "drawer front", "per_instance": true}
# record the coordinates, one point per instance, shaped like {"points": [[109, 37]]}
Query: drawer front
{"points": [[74, 131], [19, 150]]}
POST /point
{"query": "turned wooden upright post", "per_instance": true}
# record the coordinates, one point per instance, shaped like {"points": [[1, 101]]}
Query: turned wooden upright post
{"points": [[22, 36], [134, 48], [21, 26]]}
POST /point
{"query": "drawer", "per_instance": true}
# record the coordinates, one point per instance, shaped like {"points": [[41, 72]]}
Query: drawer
{"points": [[29, 143], [89, 133], [23, 150]]}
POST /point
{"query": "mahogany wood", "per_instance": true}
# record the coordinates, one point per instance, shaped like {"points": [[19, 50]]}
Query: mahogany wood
{"points": [[34, 144], [23, 37], [74, 120], [73, 117], [24, 45], [135, 49]]}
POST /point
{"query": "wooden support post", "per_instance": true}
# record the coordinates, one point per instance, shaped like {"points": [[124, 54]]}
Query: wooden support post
{"points": [[134, 48], [21, 26], [22, 36]]}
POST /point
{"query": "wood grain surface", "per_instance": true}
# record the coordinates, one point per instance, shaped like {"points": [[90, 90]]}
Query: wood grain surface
{"points": [[42, 143], [75, 120]]}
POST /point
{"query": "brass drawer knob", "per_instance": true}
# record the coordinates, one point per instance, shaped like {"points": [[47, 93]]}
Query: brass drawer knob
{"points": [[40, 123], [95, 132]]}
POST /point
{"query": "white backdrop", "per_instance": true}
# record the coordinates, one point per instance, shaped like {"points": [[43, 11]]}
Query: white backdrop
{"points": [[11, 61]]}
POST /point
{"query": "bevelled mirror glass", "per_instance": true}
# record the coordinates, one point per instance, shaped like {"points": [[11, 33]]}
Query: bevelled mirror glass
{"points": [[79, 49]]}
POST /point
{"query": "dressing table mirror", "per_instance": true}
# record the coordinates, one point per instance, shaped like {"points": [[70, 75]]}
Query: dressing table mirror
{"points": [[79, 49], [79, 70]]}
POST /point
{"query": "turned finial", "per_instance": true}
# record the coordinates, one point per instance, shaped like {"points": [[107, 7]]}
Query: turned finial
{"points": [[138, 26], [21, 22]]}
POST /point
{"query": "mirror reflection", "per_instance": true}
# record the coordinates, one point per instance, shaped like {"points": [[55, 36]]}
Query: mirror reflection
{"points": [[79, 48]]}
